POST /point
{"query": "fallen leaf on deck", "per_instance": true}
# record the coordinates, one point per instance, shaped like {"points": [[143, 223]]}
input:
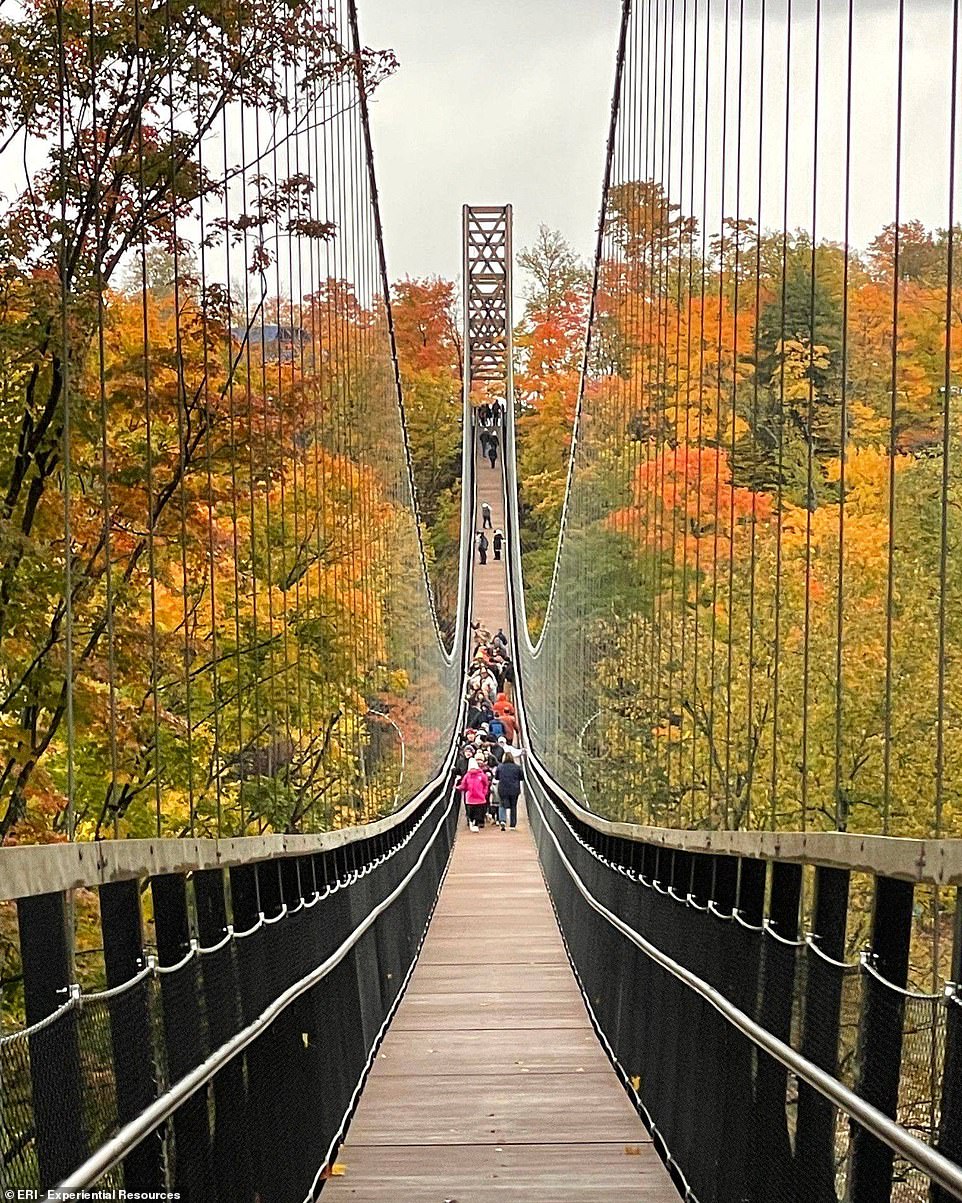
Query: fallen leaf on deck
{"points": [[337, 1170]]}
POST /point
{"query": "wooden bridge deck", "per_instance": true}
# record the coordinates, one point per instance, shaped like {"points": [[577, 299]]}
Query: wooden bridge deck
{"points": [[490, 599], [491, 1084]]}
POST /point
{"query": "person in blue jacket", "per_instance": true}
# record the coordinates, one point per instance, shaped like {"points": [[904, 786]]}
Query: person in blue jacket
{"points": [[508, 777]]}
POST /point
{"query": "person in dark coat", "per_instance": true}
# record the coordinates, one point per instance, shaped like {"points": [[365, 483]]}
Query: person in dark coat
{"points": [[483, 546], [485, 515], [492, 451], [497, 542], [476, 711], [508, 777], [465, 752]]}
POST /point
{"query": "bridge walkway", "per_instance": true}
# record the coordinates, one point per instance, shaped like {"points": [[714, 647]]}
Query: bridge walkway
{"points": [[491, 1084]]}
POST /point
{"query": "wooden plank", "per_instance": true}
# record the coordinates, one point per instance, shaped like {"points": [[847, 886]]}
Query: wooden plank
{"points": [[538, 925], [30, 869], [496, 909], [550, 1173], [499, 1051], [438, 979], [493, 950], [427, 1109], [491, 1009]]}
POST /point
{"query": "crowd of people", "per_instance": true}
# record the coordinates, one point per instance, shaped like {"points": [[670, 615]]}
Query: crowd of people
{"points": [[488, 766], [490, 415]]}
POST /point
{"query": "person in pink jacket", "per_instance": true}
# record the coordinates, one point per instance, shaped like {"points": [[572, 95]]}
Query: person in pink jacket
{"points": [[475, 785]]}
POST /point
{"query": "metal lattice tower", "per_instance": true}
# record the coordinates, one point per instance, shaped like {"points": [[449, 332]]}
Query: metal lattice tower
{"points": [[487, 294]]}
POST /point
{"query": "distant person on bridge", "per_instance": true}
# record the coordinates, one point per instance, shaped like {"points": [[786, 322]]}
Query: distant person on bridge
{"points": [[497, 543], [496, 412], [481, 636], [493, 449], [486, 684], [485, 440], [484, 413], [508, 776], [475, 785], [486, 517], [483, 546]]}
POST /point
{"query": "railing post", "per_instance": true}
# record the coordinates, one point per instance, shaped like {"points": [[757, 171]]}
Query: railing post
{"points": [[183, 1040], [737, 1146], [46, 956], [821, 1024], [266, 1066], [231, 1137], [950, 1122], [135, 1073], [775, 1163], [295, 1047], [880, 1043], [725, 884]]}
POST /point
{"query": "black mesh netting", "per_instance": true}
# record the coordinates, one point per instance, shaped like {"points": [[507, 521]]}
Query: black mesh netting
{"points": [[733, 1124], [262, 1127]]}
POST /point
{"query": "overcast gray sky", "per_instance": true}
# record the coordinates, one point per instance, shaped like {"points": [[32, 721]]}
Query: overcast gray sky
{"points": [[508, 100], [494, 102]]}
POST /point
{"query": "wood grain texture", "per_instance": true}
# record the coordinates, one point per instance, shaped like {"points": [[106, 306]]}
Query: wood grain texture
{"points": [[586, 1173], [500, 1052], [425, 1109], [494, 1009]]}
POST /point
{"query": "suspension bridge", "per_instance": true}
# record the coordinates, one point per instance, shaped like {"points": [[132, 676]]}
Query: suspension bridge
{"points": [[250, 950]]}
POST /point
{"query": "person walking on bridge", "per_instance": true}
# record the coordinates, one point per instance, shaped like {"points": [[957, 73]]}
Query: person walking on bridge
{"points": [[492, 452], [506, 714], [508, 776], [483, 546], [486, 515], [497, 543], [474, 785]]}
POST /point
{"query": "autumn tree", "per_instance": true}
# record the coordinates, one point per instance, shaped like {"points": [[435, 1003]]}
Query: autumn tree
{"points": [[430, 360], [549, 344]]}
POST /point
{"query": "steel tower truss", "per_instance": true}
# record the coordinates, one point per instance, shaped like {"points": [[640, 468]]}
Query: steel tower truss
{"points": [[487, 296]]}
